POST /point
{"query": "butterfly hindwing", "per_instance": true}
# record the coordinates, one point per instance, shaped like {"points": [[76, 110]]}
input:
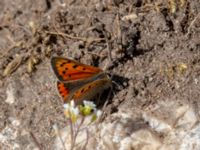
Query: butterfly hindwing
{"points": [[70, 70], [85, 92], [89, 90], [63, 90]]}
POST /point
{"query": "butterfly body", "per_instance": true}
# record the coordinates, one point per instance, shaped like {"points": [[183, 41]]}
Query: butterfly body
{"points": [[78, 81]]}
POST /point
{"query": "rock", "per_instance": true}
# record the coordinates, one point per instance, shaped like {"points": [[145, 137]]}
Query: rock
{"points": [[180, 131]]}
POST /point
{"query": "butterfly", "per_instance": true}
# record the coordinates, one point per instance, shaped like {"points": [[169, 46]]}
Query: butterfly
{"points": [[77, 81]]}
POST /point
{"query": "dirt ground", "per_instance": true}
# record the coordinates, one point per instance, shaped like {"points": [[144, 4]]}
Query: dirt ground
{"points": [[154, 47]]}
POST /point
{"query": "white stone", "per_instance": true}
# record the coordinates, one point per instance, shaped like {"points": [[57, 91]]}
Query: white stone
{"points": [[10, 95]]}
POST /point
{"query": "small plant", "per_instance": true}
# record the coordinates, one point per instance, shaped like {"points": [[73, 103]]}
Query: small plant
{"points": [[76, 116], [175, 4], [172, 5], [172, 70]]}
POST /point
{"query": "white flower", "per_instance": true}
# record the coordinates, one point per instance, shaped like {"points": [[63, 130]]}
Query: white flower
{"points": [[71, 110], [66, 106], [90, 104], [75, 111]]}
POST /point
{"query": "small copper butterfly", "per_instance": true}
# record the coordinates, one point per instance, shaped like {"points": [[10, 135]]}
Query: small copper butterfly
{"points": [[77, 81]]}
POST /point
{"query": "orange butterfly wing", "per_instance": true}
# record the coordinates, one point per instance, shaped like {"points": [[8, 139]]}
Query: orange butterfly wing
{"points": [[78, 81], [70, 70], [85, 92], [89, 90], [63, 90]]}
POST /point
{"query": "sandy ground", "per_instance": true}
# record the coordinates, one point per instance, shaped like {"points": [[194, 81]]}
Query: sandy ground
{"points": [[155, 50]]}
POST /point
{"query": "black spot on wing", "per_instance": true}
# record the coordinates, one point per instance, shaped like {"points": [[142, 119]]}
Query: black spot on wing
{"points": [[63, 72], [75, 66], [62, 64], [82, 90]]}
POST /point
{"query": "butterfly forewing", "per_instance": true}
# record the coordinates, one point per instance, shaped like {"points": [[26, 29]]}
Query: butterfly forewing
{"points": [[70, 70]]}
